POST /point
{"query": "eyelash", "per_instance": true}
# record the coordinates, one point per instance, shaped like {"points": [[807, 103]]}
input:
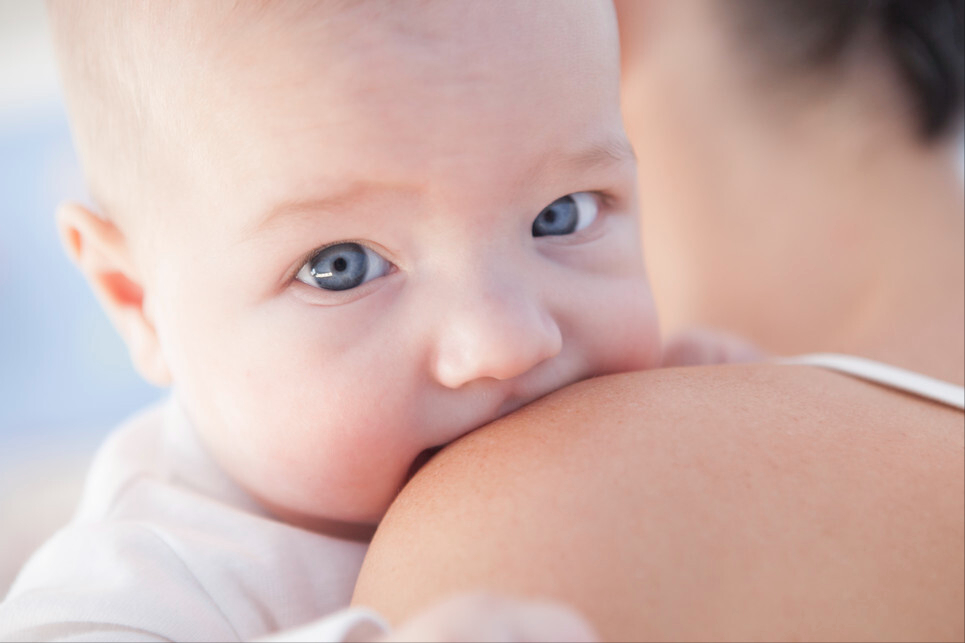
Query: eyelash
{"points": [[308, 256], [606, 202]]}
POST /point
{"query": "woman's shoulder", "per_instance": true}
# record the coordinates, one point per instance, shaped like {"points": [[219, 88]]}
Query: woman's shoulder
{"points": [[774, 410], [751, 419], [744, 501]]}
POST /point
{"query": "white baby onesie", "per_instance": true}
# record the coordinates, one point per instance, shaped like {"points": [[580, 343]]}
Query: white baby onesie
{"points": [[164, 546]]}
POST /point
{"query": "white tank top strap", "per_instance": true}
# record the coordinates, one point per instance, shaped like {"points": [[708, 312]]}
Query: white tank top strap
{"points": [[885, 374]]}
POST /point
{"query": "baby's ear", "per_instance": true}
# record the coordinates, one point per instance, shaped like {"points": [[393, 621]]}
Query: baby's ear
{"points": [[100, 250]]}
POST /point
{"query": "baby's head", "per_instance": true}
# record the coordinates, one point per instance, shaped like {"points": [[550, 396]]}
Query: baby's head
{"points": [[349, 232]]}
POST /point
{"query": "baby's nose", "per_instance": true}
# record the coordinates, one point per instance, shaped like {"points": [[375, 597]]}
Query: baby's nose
{"points": [[498, 337]]}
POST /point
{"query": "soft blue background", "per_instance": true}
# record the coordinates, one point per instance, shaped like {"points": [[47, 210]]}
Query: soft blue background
{"points": [[65, 378]]}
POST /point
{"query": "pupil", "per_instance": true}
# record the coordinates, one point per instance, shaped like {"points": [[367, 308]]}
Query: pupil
{"points": [[550, 216], [339, 265]]}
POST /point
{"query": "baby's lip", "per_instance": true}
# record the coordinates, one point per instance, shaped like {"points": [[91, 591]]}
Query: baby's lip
{"points": [[420, 461], [508, 405], [511, 404]]}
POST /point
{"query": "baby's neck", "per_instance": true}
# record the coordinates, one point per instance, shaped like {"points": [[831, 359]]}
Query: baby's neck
{"points": [[360, 532]]}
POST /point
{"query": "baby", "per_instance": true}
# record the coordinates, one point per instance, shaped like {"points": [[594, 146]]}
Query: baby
{"points": [[346, 234]]}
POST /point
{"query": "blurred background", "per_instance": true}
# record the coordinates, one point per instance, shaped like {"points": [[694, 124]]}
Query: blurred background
{"points": [[65, 378]]}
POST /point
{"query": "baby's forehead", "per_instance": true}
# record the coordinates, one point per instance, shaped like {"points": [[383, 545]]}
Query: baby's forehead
{"points": [[185, 82]]}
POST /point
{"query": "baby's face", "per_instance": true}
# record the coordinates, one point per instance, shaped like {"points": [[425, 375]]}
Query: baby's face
{"points": [[390, 229]]}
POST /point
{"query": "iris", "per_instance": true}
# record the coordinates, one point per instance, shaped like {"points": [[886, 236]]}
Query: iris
{"points": [[558, 218], [340, 267]]}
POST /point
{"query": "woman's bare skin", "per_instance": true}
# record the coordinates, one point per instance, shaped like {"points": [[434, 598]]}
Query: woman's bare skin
{"points": [[752, 502]]}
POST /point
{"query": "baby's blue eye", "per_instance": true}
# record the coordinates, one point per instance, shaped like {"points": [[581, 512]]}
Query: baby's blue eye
{"points": [[566, 215], [342, 267]]}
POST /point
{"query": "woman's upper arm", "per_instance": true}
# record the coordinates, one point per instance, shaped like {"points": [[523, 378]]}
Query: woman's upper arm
{"points": [[752, 502]]}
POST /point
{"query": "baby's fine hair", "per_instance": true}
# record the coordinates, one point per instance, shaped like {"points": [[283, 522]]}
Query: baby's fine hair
{"points": [[130, 68]]}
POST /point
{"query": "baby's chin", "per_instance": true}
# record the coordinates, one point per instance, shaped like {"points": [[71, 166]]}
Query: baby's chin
{"points": [[356, 518], [355, 522]]}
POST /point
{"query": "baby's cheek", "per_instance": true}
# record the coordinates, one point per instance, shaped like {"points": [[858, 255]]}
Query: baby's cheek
{"points": [[329, 458], [628, 334]]}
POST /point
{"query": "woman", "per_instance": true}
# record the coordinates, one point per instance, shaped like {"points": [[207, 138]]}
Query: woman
{"points": [[799, 181]]}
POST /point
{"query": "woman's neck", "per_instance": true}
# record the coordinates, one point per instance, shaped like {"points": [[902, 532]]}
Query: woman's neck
{"points": [[885, 275], [912, 308]]}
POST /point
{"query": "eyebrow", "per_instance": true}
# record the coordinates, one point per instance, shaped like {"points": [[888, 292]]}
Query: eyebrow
{"points": [[333, 202], [608, 152], [615, 149]]}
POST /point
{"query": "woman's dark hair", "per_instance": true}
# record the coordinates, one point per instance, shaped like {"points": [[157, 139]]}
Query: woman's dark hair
{"points": [[923, 38]]}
